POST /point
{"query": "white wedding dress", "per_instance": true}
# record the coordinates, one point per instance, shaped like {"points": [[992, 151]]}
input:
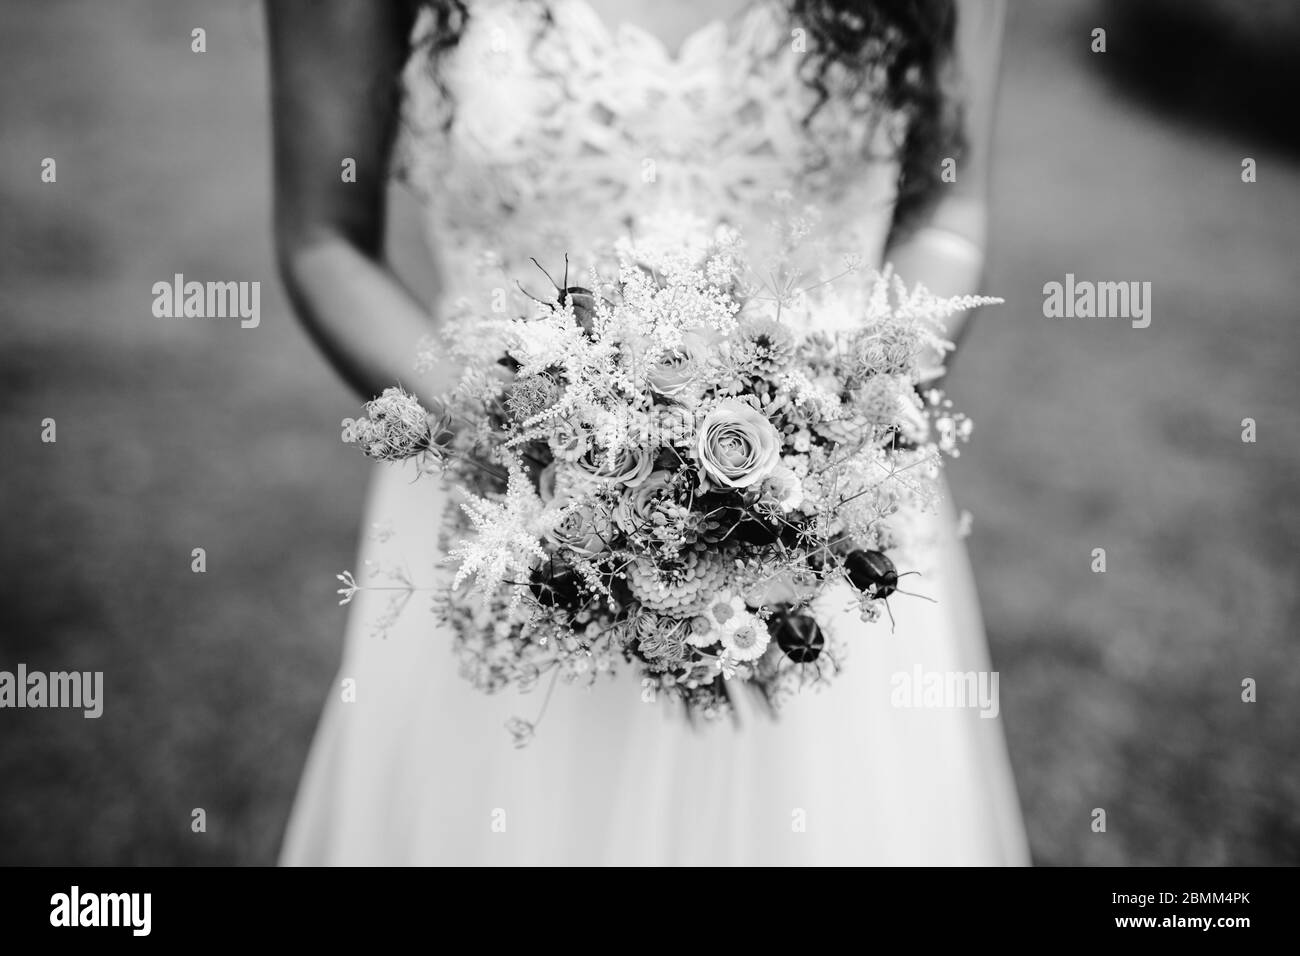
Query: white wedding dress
{"points": [[564, 130]]}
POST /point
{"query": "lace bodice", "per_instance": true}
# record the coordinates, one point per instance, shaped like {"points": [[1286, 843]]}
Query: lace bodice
{"points": [[545, 129]]}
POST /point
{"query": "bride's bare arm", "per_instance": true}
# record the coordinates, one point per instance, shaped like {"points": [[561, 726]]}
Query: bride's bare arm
{"points": [[334, 72], [946, 250]]}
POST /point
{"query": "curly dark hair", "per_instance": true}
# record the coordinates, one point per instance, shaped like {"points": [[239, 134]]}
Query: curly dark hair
{"points": [[908, 42], [911, 41]]}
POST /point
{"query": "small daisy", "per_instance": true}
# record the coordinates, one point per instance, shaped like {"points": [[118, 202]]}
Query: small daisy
{"points": [[707, 629], [744, 637], [701, 632]]}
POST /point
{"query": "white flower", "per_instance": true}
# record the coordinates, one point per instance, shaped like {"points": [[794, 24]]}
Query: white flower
{"points": [[631, 466], [796, 463], [396, 427], [727, 621], [737, 446], [723, 608], [579, 527], [679, 368], [701, 632], [744, 637], [635, 508], [783, 488], [505, 543]]}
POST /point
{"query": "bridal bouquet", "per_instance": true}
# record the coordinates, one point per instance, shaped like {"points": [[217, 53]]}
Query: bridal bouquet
{"points": [[689, 458]]}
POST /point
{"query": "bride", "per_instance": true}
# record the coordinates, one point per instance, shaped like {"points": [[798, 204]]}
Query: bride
{"points": [[543, 125]]}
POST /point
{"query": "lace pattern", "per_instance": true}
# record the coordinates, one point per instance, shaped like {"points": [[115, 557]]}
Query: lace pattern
{"points": [[545, 128]]}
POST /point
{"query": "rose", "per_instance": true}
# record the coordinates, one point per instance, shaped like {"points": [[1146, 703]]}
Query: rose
{"points": [[559, 481], [633, 513], [674, 375], [737, 446], [579, 528], [630, 467]]}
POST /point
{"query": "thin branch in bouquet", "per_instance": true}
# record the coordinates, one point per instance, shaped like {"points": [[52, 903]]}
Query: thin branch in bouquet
{"points": [[562, 289], [893, 624], [446, 415], [523, 730], [851, 451], [784, 288], [786, 664], [898, 590], [403, 593], [486, 469], [828, 556], [893, 472], [521, 288], [571, 616], [534, 261], [550, 690]]}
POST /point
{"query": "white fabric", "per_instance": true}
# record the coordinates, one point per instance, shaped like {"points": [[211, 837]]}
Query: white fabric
{"points": [[547, 149], [563, 129]]}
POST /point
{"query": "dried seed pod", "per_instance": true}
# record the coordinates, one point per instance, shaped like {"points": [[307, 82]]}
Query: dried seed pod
{"points": [[872, 573], [798, 635], [584, 305], [555, 585]]}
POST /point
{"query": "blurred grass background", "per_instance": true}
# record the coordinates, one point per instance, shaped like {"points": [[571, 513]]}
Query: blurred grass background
{"points": [[1119, 690]]}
